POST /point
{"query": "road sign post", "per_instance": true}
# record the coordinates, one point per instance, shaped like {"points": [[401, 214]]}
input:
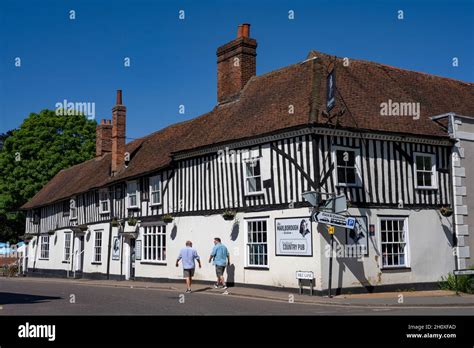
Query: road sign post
{"points": [[330, 229]]}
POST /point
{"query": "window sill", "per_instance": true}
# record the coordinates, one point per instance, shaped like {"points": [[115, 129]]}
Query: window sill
{"points": [[66, 262], [157, 263], [104, 212], [155, 204], [96, 263], [257, 268], [349, 185], [43, 259], [133, 208], [260, 193], [426, 188], [396, 269]]}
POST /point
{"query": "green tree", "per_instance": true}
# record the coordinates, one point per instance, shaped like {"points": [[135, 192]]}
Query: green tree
{"points": [[31, 155]]}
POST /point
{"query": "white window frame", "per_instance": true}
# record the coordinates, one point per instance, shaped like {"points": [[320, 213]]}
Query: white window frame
{"points": [[153, 238], [97, 254], [73, 208], [44, 251], [357, 160], [406, 236], [248, 243], [153, 180], [434, 177], [137, 195], [103, 192], [67, 247], [246, 177]]}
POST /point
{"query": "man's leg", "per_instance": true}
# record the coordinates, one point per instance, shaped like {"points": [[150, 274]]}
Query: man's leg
{"points": [[188, 282]]}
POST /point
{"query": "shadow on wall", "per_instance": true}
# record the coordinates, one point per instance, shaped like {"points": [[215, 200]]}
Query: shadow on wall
{"points": [[351, 264], [174, 232], [448, 230], [234, 234]]}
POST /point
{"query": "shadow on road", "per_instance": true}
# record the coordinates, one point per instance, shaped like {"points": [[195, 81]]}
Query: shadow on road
{"points": [[15, 298]]}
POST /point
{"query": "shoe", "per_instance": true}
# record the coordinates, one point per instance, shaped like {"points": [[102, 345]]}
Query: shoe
{"points": [[216, 286], [188, 291], [225, 293], [224, 287]]}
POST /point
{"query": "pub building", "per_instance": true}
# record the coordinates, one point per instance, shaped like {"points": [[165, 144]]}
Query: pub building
{"points": [[382, 138]]}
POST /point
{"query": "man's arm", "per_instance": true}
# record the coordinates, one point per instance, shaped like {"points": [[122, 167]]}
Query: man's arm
{"points": [[179, 258], [213, 254], [196, 256]]}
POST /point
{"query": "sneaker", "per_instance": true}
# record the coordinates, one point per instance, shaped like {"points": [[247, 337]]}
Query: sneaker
{"points": [[225, 293], [188, 291], [224, 287], [216, 286]]}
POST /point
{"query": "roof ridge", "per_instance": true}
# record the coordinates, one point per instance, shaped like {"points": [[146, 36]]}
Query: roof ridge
{"points": [[370, 62]]}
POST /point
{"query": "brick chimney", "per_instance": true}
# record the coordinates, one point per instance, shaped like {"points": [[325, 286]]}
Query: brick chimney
{"points": [[103, 138], [236, 64], [118, 134]]}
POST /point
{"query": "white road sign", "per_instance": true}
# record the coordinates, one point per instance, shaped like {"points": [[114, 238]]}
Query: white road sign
{"points": [[334, 219], [464, 272], [304, 275]]}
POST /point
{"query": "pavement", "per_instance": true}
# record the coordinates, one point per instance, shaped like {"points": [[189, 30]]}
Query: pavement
{"points": [[408, 299]]}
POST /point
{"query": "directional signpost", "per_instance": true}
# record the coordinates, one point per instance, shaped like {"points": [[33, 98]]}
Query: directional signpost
{"points": [[334, 219], [331, 220], [327, 216]]}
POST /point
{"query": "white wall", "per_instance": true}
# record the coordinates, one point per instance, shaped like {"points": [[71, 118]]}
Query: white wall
{"points": [[429, 250]]}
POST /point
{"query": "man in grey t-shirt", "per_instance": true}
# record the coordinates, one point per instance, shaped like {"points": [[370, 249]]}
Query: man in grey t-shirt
{"points": [[188, 255]]}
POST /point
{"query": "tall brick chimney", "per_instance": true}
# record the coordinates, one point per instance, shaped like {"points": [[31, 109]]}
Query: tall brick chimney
{"points": [[103, 138], [118, 134], [236, 64]]}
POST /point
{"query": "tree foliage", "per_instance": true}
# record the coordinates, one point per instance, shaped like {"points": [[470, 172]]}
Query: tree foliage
{"points": [[32, 155]]}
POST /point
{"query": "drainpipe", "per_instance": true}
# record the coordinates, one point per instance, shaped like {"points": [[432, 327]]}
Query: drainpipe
{"points": [[110, 236]]}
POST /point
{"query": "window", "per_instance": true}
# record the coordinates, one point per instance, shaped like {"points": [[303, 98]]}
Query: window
{"points": [[154, 246], [72, 209], [36, 216], [67, 246], [253, 176], [104, 203], [155, 190], [346, 166], [257, 247], [98, 246], [393, 237], [66, 208], [132, 194], [44, 247], [425, 169]]}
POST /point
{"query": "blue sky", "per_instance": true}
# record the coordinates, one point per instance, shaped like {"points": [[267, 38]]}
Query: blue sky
{"points": [[173, 61]]}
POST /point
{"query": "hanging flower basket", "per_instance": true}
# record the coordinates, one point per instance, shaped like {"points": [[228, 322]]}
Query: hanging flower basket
{"points": [[446, 211], [115, 222], [167, 218], [28, 237], [132, 221], [83, 228], [51, 232], [229, 215]]}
